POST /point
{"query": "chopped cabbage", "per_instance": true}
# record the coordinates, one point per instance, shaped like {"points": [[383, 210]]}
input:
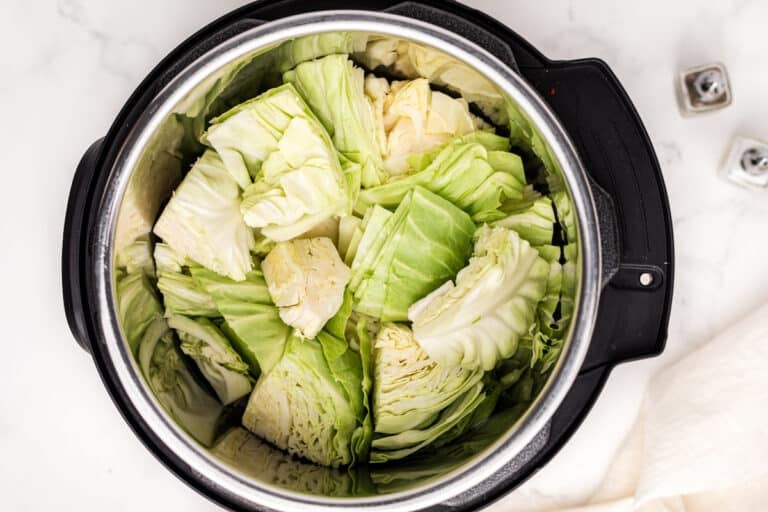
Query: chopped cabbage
{"points": [[247, 134], [162, 364], [311, 403], [306, 280], [410, 389], [299, 187], [218, 362], [348, 228], [160, 360], [408, 442], [137, 307], [182, 296], [421, 245], [298, 179], [412, 60], [137, 256], [167, 260], [478, 321], [202, 221], [333, 88], [411, 118], [322, 212], [252, 322], [534, 223], [461, 173]]}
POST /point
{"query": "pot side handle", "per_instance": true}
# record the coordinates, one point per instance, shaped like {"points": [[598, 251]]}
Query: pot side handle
{"points": [[632, 205], [73, 252]]}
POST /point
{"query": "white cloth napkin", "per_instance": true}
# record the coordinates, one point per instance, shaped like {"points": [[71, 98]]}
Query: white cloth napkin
{"points": [[700, 443]]}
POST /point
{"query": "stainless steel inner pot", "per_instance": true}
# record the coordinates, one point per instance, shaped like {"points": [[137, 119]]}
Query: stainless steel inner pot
{"points": [[149, 165]]}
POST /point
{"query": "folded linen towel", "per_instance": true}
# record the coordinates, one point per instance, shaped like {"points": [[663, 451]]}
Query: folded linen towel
{"points": [[700, 442]]}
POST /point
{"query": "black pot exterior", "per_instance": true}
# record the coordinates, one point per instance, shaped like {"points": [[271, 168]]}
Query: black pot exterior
{"points": [[609, 136]]}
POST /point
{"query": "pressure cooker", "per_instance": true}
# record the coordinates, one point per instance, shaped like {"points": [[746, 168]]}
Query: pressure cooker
{"points": [[596, 144]]}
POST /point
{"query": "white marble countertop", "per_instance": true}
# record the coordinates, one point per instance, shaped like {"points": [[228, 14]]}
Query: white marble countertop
{"points": [[68, 66]]}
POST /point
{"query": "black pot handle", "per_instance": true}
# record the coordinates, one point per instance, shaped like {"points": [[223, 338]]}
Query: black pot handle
{"points": [[73, 248], [632, 204]]}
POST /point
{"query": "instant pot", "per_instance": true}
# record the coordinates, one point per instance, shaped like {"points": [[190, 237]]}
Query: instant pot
{"points": [[583, 122]]}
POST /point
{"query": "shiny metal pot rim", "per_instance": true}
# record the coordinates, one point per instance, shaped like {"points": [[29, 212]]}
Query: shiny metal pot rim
{"points": [[237, 488]]}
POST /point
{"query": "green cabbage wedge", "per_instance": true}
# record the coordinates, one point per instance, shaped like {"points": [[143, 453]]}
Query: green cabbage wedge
{"points": [[423, 243], [461, 173], [312, 403], [163, 366], [298, 181], [478, 321], [137, 307], [218, 362], [306, 280], [202, 221], [334, 89], [182, 296], [161, 361], [137, 256], [534, 222], [408, 442], [412, 118], [410, 389], [252, 322]]}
